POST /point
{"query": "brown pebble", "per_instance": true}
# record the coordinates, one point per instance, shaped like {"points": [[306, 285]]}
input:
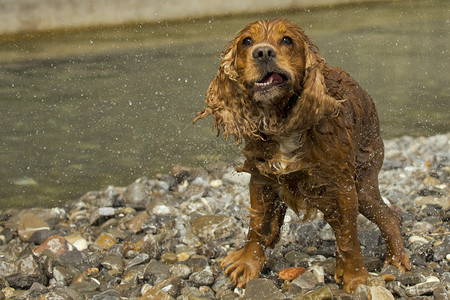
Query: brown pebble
{"points": [[105, 241], [55, 243], [92, 270], [169, 257], [291, 273], [388, 277]]}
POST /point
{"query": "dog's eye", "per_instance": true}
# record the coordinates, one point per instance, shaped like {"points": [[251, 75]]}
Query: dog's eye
{"points": [[287, 41], [247, 41]]}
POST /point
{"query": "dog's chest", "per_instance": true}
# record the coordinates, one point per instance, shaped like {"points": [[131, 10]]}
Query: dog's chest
{"points": [[281, 155]]}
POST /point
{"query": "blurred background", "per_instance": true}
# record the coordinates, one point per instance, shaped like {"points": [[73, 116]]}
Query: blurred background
{"points": [[101, 92]]}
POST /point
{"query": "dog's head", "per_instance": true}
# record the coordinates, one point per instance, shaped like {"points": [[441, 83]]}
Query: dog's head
{"points": [[269, 65], [268, 58]]}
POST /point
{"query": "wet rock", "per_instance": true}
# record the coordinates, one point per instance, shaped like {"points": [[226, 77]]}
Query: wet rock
{"points": [[101, 214], [291, 273], [180, 270], [372, 263], [63, 293], [86, 287], [170, 285], [161, 207], [135, 224], [240, 178], [369, 238], [262, 289], [441, 249], [104, 241], [114, 263], [373, 292], [322, 293], [197, 261], [440, 293], [109, 294], [422, 288], [153, 293], [305, 281], [38, 237], [204, 277], [412, 278], [29, 224], [27, 271], [182, 173], [137, 195], [213, 227], [73, 258], [77, 241], [156, 271], [169, 257], [297, 258], [211, 249], [327, 233], [55, 244], [139, 259], [63, 274]]}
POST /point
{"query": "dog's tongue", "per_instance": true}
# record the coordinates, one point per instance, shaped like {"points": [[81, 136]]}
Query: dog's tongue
{"points": [[274, 78]]}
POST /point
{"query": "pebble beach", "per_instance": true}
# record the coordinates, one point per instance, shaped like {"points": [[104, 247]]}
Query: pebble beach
{"points": [[165, 237]]}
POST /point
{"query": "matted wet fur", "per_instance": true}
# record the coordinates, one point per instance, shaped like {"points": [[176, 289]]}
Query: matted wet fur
{"points": [[312, 141]]}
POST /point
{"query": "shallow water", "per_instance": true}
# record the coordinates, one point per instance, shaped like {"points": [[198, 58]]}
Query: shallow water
{"points": [[81, 110]]}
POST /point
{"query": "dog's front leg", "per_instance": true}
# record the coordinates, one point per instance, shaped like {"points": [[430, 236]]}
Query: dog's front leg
{"points": [[342, 216], [267, 214]]}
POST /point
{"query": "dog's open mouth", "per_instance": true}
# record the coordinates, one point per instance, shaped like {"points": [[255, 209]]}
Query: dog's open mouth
{"points": [[269, 81]]}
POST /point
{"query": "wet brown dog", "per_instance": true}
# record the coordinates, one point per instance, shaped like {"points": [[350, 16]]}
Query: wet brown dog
{"points": [[312, 141]]}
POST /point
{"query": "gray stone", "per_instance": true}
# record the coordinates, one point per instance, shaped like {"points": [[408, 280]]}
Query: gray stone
{"points": [[170, 285], [422, 288], [181, 270], [411, 278], [73, 258], [305, 281], [212, 227], [63, 274], [139, 259], [109, 294], [30, 223], [372, 263], [27, 272], [156, 271], [212, 250], [440, 251], [262, 289], [380, 293], [440, 293], [137, 195], [204, 277], [222, 283], [38, 237], [297, 258], [362, 292], [369, 238], [114, 263], [322, 293], [99, 215], [64, 293]]}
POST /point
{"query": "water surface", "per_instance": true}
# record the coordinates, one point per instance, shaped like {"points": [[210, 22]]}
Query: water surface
{"points": [[80, 110]]}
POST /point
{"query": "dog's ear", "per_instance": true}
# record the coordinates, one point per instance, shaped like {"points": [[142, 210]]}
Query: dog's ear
{"points": [[225, 99], [228, 63]]}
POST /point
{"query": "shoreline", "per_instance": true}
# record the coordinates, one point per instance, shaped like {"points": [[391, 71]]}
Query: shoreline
{"points": [[30, 16], [164, 238]]}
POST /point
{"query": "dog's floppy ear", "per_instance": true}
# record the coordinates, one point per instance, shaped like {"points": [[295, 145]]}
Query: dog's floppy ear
{"points": [[225, 99], [315, 103]]}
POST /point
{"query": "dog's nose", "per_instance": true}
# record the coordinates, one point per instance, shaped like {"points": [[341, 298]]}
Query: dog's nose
{"points": [[264, 53]]}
